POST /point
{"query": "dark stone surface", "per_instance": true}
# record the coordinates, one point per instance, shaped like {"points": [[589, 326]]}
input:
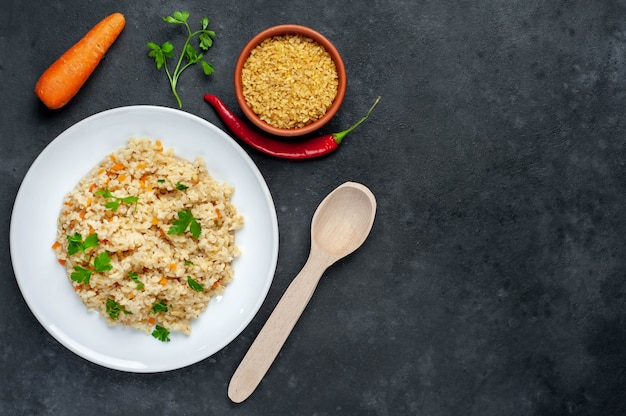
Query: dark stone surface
{"points": [[493, 280]]}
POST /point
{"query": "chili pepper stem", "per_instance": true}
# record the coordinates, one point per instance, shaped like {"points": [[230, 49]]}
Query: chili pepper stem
{"points": [[339, 136]]}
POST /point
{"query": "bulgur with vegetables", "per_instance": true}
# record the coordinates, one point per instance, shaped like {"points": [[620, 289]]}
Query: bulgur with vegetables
{"points": [[147, 238]]}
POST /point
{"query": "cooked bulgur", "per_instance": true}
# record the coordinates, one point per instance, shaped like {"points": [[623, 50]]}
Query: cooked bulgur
{"points": [[128, 209], [289, 81]]}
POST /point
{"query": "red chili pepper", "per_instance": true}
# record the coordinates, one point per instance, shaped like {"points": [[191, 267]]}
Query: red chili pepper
{"points": [[315, 147]]}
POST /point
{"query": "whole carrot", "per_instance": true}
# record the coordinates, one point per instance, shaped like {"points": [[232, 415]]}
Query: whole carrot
{"points": [[64, 78]]}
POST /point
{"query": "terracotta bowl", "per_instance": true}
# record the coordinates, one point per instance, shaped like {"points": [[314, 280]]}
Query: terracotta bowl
{"points": [[291, 30]]}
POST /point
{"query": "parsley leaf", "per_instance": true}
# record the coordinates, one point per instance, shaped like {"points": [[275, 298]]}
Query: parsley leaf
{"points": [[76, 243], [114, 205], [114, 309], [134, 276], [161, 333], [189, 263], [189, 56], [194, 285], [81, 275], [159, 307], [181, 187], [185, 220], [102, 262]]}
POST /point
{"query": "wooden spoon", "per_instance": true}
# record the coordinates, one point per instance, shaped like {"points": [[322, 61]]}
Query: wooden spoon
{"points": [[340, 225]]}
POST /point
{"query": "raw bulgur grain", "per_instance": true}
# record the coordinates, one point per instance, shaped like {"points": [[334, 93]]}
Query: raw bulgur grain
{"points": [[289, 81]]}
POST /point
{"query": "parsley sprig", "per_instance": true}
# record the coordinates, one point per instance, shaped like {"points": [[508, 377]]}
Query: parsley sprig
{"points": [[159, 306], [185, 220], [190, 55], [134, 276], [113, 309], [114, 205], [76, 243], [161, 333], [101, 263], [194, 285]]}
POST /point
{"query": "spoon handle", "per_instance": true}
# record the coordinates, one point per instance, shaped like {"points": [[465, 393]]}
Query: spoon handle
{"points": [[274, 333]]}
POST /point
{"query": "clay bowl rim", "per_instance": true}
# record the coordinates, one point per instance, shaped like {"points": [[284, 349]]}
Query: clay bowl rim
{"points": [[291, 29]]}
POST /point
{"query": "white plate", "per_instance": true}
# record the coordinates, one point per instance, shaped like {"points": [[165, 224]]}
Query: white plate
{"points": [[43, 281]]}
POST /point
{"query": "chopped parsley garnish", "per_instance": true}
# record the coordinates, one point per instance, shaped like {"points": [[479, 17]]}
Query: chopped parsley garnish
{"points": [[114, 309], [185, 220], [194, 285], [161, 180], [159, 307], [134, 276], [189, 263], [101, 263], [81, 275], [181, 187], [114, 205], [161, 333], [76, 243]]}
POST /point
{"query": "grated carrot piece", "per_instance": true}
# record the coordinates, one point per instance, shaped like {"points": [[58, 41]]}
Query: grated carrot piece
{"points": [[88, 202], [62, 262], [56, 245], [112, 157], [155, 220], [172, 266], [82, 214], [163, 281], [101, 171], [78, 287], [151, 321], [121, 177], [158, 143], [130, 295], [141, 165], [117, 167], [92, 187]]}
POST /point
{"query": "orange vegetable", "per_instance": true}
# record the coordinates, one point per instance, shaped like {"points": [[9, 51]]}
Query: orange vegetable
{"points": [[117, 167], [163, 281], [62, 80], [56, 245], [151, 321]]}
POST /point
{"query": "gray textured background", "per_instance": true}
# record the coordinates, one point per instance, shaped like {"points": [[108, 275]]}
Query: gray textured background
{"points": [[493, 280]]}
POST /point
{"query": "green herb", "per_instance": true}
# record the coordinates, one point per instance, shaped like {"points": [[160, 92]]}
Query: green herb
{"points": [[161, 53], [114, 309], [189, 263], [161, 180], [181, 187], [194, 285], [134, 276], [102, 262], [114, 205], [161, 333], [81, 275], [185, 220], [159, 307], [76, 243]]}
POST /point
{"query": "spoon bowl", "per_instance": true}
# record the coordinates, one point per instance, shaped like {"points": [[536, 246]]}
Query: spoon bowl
{"points": [[340, 225], [343, 220]]}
